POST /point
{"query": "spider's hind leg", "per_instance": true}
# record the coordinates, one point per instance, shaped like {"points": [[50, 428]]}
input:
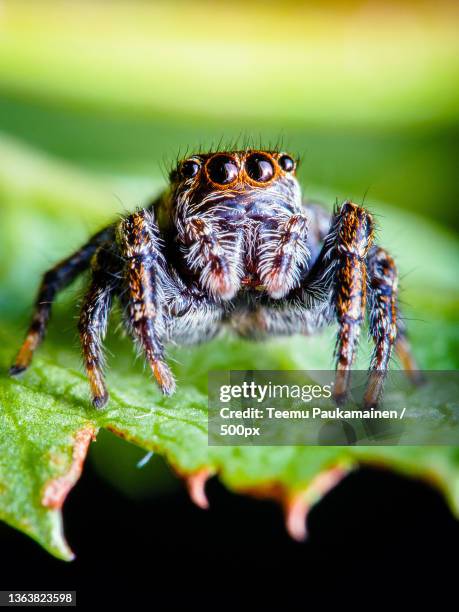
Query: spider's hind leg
{"points": [[139, 243], [405, 354], [54, 280]]}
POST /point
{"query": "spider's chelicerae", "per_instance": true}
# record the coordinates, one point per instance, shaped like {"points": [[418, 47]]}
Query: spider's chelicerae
{"points": [[231, 243]]}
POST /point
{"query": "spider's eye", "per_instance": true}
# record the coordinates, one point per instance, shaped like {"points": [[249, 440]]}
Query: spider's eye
{"points": [[222, 169], [189, 168], [259, 167], [286, 163]]}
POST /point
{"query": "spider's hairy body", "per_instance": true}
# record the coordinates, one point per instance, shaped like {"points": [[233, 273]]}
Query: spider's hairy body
{"points": [[231, 244]]}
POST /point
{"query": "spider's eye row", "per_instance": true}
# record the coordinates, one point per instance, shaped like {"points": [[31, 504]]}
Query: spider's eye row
{"points": [[260, 168], [222, 169], [189, 168], [286, 163]]}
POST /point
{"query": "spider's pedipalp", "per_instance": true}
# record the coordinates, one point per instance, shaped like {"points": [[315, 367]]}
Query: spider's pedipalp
{"points": [[93, 321], [216, 254], [139, 244], [54, 280], [283, 255]]}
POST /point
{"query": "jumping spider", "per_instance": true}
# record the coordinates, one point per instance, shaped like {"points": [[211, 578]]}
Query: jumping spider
{"points": [[231, 243]]}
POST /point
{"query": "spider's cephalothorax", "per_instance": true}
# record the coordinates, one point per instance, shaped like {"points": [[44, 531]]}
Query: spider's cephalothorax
{"points": [[238, 221], [232, 243]]}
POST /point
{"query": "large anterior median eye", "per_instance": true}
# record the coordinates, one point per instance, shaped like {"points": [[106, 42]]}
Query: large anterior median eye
{"points": [[259, 167], [222, 169]]}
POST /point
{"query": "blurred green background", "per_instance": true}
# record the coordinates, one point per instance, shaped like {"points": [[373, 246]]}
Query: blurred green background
{"points": [[367, 93], [97, 100]]}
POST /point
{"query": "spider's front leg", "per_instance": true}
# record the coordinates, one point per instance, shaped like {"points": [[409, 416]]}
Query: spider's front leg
{"points": [[144, 270], [342, 266]]}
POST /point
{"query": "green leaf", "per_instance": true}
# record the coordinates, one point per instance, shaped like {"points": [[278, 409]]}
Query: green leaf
{"points": [[47, 423]]}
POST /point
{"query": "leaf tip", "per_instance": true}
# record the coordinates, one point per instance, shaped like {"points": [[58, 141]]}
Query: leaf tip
{"points": [[296, 510], [57, 489], [57, 544], [196, 485], [297, 506]]}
